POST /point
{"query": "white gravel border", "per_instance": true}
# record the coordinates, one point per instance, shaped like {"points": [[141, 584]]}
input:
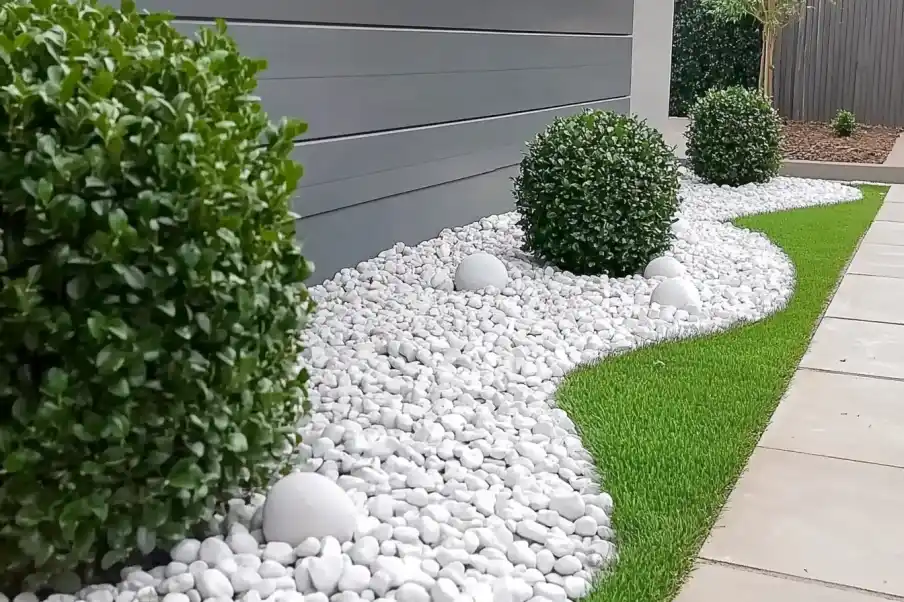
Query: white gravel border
{"points": [[433, 409]]}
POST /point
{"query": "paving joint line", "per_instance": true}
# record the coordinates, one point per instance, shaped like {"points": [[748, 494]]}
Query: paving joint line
{"points": [[874, 275], [799, 579], [897, 379], [830, 457], [849, 319]]}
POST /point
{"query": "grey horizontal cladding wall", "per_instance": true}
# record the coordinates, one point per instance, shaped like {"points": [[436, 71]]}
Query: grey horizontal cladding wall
{"points": [[341, 239], [344, 81], [418, 109], [565, 16], [348, 171], [413, 202]]}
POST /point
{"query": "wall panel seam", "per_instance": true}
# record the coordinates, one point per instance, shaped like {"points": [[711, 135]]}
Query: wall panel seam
{"points": [[428, 126], [195, 20], [400, 193]]}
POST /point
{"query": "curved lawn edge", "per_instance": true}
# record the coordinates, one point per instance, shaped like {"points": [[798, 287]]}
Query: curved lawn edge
{"points": [[671, 426]]}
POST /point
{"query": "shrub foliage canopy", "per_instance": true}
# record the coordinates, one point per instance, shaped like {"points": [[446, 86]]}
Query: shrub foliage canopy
{"points": [[151, 292], [597, 193], [734, 137]]}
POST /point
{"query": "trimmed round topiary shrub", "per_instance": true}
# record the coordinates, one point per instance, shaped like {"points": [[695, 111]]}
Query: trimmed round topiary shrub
{"points": [[844, 123], [597, 193], [151, 291], [734, 137]]}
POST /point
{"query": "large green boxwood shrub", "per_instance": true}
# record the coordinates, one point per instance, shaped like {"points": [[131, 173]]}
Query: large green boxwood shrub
{"points": [[151, 293], [710, 53], [734, 137], [597, 193]]}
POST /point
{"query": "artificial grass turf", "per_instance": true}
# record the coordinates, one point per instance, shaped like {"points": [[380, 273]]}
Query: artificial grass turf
{"points": [[671, 426]]}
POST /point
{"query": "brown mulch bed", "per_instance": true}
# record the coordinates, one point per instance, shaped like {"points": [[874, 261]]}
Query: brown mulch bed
{"points": [[816, 142]]}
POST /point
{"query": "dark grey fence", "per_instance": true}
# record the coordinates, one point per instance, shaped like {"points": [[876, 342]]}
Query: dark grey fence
{"points": [[844, 55], [418, 109]]}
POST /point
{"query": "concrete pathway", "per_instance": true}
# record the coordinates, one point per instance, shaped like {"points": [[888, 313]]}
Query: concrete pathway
{"points": [[818, 516], [896, 156]]}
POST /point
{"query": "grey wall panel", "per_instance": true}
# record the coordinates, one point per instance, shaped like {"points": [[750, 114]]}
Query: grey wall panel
{"points": [[351, 105], [347, 171], [418, 110], [571, 16], [343, 238], [318, 51]]}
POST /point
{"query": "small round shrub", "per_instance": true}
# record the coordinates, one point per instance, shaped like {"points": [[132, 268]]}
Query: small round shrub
{"points": [[734, 137], [844, 123], [151, 291], [597, 193]]}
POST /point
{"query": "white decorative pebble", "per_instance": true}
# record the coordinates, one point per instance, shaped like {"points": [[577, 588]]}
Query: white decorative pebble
{"points": [[214, 584]]}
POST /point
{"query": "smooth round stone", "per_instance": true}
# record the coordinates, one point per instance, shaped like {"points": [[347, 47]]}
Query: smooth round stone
{"points": [[306, 504], [679, 293], [664, 267], [479, 271]]}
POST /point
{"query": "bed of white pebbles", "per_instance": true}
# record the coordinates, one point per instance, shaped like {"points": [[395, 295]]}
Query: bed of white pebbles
{"points": [[435, 464]]}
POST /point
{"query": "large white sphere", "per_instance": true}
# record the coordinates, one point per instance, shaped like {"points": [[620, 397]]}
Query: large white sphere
{"points": [[480, 270], [664, 267], [307, 504], [676, 292]]}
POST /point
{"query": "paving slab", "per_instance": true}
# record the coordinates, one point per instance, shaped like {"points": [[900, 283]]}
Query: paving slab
{"points": [[861, 297], [891, 212], [719, 583], [856, 347], [896, 192], [879, 260], [841, 415], [816, 518], [896, 156], [885, 233]]}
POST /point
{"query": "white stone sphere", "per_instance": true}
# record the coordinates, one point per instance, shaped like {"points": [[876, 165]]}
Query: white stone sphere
{"points": [[676, 292], [307, 504], [664, 267], [479, 271]]}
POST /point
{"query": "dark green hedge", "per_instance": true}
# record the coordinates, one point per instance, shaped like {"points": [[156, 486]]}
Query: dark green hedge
{"points": [[707, 53]]}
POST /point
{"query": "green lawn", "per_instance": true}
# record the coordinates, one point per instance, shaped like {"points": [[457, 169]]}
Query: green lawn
{"points": [[672, 425]]}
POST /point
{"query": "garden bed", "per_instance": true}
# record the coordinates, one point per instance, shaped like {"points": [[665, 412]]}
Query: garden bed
{"points": [[434, 410], [812, 141]]}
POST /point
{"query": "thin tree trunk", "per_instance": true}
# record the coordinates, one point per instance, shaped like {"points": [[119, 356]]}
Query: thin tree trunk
{"points": [[764, 61], [770, 63]]}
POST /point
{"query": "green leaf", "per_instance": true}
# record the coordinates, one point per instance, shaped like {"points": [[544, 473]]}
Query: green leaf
{"points": [[147, 540], [67, 87], [20, 459], [132, 276], [121, 388], [110, 558], [109, 359], [197, 448], [203, 322], [102, 84], [168, 307], [78, 287], [56, 381], [237, 443], [185, 475]]}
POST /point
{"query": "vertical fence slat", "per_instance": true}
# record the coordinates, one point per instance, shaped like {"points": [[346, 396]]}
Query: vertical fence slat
{"points": [[847, 55]]}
